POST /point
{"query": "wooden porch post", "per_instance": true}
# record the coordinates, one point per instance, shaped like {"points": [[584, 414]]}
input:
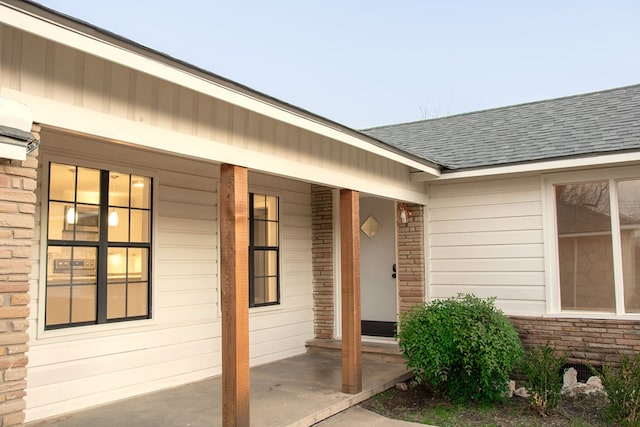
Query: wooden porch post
{"points": [[234, 252], [350, 290]]}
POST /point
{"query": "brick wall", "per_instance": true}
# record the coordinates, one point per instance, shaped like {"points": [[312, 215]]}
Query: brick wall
{"points": [[17, 208], [411, 268], [322, 253], [582, 339]]}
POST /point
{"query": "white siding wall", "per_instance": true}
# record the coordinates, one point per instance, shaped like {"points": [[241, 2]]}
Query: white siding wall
{"points": [[281, 331], [79, 367], [486, 238]]}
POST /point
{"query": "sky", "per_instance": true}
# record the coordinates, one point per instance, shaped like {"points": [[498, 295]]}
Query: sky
{"points": [[367, 63]]}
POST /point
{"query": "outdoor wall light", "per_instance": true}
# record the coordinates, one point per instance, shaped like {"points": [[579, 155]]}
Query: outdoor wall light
{"points": [[404, 214]]}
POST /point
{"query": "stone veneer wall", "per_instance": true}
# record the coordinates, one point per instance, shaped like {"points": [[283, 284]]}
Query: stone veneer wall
{"points": [[17, 221], [592, 340], [411, 258], [322, 254]]}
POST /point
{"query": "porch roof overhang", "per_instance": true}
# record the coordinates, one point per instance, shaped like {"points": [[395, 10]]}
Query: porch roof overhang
{"points": [[78, 35], [86, 122]]}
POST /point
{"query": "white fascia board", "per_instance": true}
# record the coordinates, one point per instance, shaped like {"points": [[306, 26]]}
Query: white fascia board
{"points": [[552, 165], [75, 119], [110, 52]]}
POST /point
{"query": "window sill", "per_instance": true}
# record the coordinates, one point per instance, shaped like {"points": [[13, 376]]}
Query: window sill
{"points": [[592, 315]]}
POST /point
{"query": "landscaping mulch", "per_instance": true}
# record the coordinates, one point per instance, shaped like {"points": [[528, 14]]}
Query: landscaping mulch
{"points": [[418, 404]]}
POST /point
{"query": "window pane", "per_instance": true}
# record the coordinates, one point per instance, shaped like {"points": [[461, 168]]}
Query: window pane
{"points": [[272, 234], [75, 303], [118, 189], [88, 186], [259, 264], [57, 217], [116, 301], [84, 265], [83, 303], [272, 263], [259, 233], [140, 223], [118, 224], [265, 233], [629, 208], [265, 263], [140, 192], [117, 265], [265, 274], [272, 208], [58, 305], [137, 299], [62, 179], [584, 246], [58, 265], [259, 206], [272, 289], [87, 222], [259, 293], [65, 218], [138, 264]]}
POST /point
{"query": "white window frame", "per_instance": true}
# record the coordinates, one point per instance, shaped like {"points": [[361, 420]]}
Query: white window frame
{"points": [[612, 176]]}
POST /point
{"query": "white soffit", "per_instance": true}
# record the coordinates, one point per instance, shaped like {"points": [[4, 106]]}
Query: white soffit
{"points": [[86, 43]]}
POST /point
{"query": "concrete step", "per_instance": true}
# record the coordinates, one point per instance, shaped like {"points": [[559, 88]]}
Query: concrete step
{"points": [[386, 351]]}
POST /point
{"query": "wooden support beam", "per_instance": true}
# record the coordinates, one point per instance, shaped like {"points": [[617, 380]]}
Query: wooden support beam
{"points": [[351, 311], [234, 251]]}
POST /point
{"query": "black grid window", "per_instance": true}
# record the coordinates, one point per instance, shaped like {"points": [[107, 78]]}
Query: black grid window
{"points": [[98, 247], [264, 250]]}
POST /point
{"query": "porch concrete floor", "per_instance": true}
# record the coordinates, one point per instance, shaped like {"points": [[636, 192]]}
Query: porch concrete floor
{"points": [[298, 391]]}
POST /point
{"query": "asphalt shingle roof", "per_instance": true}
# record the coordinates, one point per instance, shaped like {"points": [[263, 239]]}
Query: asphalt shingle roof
{"points": [[590, 124]]}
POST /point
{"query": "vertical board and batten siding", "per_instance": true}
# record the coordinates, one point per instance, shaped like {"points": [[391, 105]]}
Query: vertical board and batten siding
{"points": [[42, 68], [81, 367], [486, 238]]}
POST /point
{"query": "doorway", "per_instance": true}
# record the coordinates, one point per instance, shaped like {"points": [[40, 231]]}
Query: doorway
{"points": [[378, 286]]}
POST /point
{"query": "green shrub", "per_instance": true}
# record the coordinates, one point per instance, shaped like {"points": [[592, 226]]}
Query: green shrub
{"points": [[464, 347], [623, 390], [542, 368]]}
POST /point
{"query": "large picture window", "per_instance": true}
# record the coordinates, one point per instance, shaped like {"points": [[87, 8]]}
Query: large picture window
{"points": [[598, 225], [264, 250], [98, 247]]}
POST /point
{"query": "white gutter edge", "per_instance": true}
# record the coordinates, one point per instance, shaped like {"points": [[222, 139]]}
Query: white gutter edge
{"points": [[552, 165]]}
